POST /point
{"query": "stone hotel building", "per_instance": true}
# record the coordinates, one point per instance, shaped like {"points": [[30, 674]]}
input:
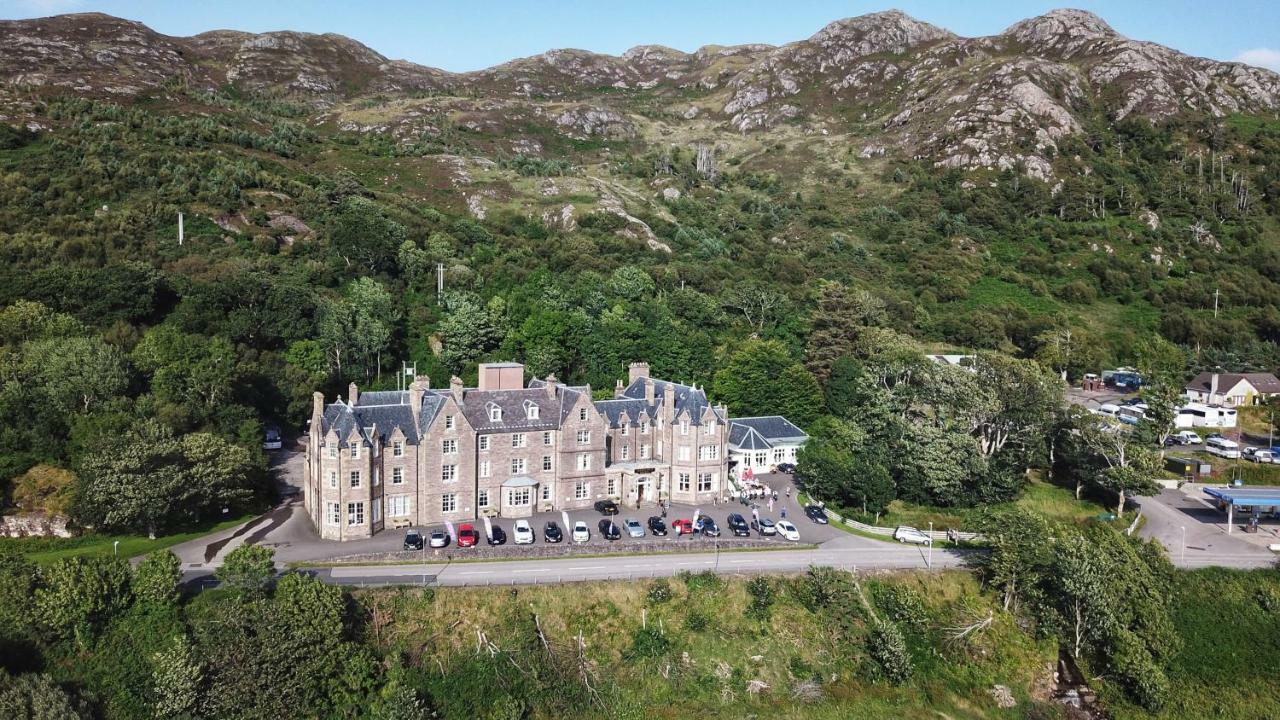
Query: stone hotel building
{"points": [[380, 460]]}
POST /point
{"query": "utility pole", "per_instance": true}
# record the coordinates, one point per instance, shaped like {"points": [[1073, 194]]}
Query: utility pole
{"points": [[1215, 303], [439, 281], [180, 232], [930, 560]]}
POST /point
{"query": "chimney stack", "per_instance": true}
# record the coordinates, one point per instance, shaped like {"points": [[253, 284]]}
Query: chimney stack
{"points": [[455, 387], [1213, 388], [551, 381], [648, 390], [317, 407], [353, 394], [636, 371], [417, 389]]}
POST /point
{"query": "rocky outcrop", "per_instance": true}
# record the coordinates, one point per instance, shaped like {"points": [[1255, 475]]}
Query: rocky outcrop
{"points": [[34, 525]]}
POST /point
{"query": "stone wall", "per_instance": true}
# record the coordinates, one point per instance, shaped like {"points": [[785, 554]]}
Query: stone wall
{"points": [[34, 525]]}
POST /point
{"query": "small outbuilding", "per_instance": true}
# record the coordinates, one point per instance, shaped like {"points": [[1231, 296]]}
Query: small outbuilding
{"points": [[762, 443]]}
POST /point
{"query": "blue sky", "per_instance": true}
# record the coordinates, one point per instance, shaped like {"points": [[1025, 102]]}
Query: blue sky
{"points": [[471, 35]]}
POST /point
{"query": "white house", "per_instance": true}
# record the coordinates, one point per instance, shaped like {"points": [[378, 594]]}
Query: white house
{"points": [[762, 443], [1233, 389]]}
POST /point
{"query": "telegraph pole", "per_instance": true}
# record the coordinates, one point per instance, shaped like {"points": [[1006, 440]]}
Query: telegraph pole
{"points": [[439, 281], [180, 230], [1215, 303]]}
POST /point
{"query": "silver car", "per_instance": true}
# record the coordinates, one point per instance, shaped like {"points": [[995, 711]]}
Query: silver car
{"points": [[907, 534], [634, 528]]}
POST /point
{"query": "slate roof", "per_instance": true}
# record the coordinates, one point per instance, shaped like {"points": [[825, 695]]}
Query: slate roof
{"points": [[1264, 382], [343, 418], [771, 429], [687, 398], [613, 410], [742, 437], [551, 409]]}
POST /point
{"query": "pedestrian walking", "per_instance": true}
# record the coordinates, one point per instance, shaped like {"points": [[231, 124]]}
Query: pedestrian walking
{"points": [[788, 493], [784, 513], [664, 510]]}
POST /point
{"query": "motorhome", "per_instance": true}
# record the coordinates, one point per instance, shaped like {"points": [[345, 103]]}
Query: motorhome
{"points": [[1222, 447], [1131, 414], [1201, 415]]}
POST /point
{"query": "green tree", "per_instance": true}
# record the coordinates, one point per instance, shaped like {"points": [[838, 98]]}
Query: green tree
{"points": [[374, 318], [314, 609], [157, 578], [362, 234], [76, 373], [469, 331], [186, 370], [26, 320], [761, 378], [248, 570], [630, 283], [37, 697], [77, 595], [175, 681], [1022, 408], [1129, 465]]}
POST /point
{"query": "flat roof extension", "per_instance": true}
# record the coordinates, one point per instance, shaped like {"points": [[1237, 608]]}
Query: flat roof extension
{"points": [[1246, 495]]}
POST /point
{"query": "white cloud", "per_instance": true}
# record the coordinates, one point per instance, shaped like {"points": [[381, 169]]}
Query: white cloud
{"points": [[1262, 57]]}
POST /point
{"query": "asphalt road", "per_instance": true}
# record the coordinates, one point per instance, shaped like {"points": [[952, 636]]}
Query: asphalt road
{"points": [[851, 556], [1194, 533]]}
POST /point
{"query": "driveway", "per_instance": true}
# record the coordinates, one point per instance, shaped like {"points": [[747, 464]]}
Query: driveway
{"points": [[1173, 515]]}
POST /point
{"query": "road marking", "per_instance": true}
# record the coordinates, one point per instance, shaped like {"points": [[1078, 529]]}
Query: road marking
{"points": [[589, 567], [532, 570], [475, 572]]}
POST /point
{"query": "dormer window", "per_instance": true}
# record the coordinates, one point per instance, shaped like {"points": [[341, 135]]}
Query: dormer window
{"points": [[495, 413], [582, 413], [530, 410], [355, 451], [684, 427]]}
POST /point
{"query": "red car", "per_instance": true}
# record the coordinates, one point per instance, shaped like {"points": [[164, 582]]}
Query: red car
{"points": [[683, 526], [467, 536]]}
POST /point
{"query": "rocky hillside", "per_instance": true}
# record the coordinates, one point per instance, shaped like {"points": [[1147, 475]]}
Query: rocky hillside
{"points": [[882, 82]]}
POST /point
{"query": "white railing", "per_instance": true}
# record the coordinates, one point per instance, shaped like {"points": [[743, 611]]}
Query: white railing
{"points": [[945, 535]]}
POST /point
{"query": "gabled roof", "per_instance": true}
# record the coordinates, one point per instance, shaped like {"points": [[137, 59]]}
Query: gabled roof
{"points": [[742, 437], [614, 409], [1263, 382], [688, 399], [773, 428], [476, 405], [343, 419]]}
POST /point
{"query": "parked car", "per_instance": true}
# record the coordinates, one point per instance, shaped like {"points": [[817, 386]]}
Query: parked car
{"points": [[787, 468], [656, 526], [467, 536], [439, 538], [738, 526], [606, 507], [788, 531], [907, 534], [609, 529], [683, 526], [707, 526], [551, 532], [413, 540], [1187, 437], [271, 439], [581, 533], [816, 514], [497, 536], [524, 533], [765, 526], [1259, 455], [634, 528]]}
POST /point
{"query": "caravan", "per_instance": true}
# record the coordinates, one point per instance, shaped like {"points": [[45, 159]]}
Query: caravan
{"points": [[1201, 415], [1222, 447]]}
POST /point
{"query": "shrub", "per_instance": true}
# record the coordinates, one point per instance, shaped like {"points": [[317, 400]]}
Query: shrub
{"points": [[697, 621], [818, 588], [762, 596], [888, 649], [705, 581], [648, 642], [901, 604], [660, 592], [248, 570]]}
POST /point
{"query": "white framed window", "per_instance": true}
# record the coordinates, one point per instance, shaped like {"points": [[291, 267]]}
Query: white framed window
{"points": [[704, 481], [779, 455], [449, 502], [625, 430], [761, 458], [546, 462], [682, 452], [684, 427], [581, 491], [584, 461], [332, 451], [333, 479], [449, 447], [484, 468], [682, 482], [547, 438], [448, 422], [449, 473], [520, 497], [546, 491], [399, 505], [484, 442], [495, 413], [644, 451], [355, 513], [354, 477], [582, 413], [530, 410], [518, 466], [644, 428], [709, 452], [518, 440], [584, 437], [397, 448], [482, 498], [377, 511], [397, 476], [333, 514], [626, 452], [612, 484]]}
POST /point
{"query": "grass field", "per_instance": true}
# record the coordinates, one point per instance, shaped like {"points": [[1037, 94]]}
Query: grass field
{"points": [[43, 550]]}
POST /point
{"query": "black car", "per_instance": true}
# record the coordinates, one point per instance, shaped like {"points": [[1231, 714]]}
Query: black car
{"points": [[499, 536], [551, 533], [738, 526], [606, 507], [656, 526], [708, 527], [816, 514], [413, 540], [787, 468], [609, 530]]}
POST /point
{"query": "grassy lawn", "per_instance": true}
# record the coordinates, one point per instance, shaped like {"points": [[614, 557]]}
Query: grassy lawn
{"points": [[43, 550]]}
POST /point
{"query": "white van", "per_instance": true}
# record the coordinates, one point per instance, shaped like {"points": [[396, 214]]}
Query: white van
{"points": [[1108, 409], [1223, 447], [1186, 437]]}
